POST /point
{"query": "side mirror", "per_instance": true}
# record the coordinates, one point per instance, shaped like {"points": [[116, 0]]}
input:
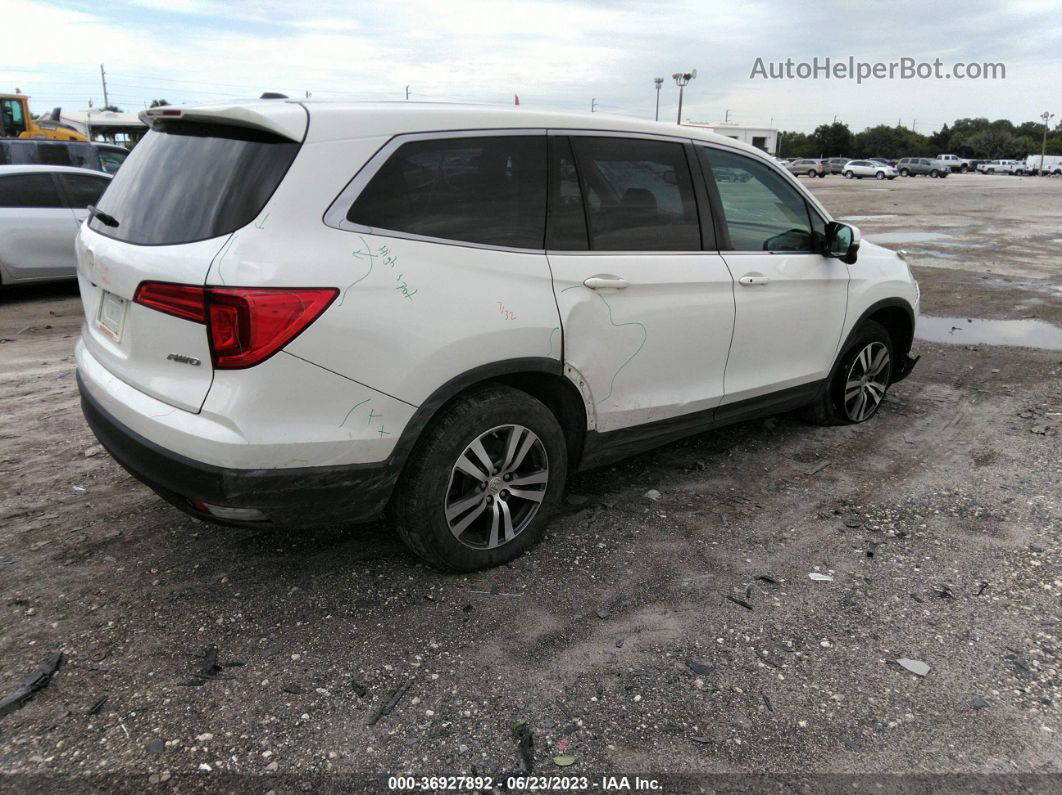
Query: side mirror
{"points": [[842, 242]]}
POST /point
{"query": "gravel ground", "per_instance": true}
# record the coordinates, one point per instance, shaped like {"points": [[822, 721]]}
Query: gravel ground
{"points": [[684, 639]]}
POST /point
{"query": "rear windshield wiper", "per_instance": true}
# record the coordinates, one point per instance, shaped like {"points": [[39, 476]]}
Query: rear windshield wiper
{"points": [[96, 212]]}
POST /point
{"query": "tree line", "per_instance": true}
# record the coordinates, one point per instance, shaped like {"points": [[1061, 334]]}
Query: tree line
{"points": [[971, 138]]}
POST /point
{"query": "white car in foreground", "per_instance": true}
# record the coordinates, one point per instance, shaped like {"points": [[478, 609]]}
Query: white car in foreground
{"points": [[300, 313], [858, 169], [41, 208]]}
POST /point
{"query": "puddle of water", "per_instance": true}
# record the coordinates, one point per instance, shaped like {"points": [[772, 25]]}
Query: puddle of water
{"points": [[937, 254], [1018, 333], [860, 218], [908, 236]]}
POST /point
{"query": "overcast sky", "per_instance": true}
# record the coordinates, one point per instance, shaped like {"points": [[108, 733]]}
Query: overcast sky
{"points": [[557, 55]]}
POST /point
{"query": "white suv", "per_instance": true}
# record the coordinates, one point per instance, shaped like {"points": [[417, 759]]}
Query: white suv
{"points": [[300, 313]]}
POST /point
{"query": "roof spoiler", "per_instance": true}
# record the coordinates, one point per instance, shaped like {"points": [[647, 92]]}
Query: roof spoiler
{"points": [[286, 119]]}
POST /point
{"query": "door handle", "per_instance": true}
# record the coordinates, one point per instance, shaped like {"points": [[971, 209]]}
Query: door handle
{"points": [[752, 279], [606, 281]]}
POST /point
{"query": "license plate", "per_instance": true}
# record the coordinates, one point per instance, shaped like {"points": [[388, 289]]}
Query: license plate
{"points": [[112, 315]]}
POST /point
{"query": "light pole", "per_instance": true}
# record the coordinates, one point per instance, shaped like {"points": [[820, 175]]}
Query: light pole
{"points": [[407, 93], [726, 117], [593, 105], [1043, 147], [659, 82], [682, 79]]}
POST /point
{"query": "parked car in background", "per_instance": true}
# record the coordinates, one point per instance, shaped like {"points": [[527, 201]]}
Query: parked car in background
{"points": [[809, 167], [858, 169], [837, 164], [1051, 164], [913, 166], [107, 158], [41, 208], [369, 310], [883, 161], [956, 163], [1002, 167]]}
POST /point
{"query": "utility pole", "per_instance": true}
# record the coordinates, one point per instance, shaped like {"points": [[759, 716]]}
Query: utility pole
{"points": [[407, 93], [103, 77], [593, 105], [1043, 147], [726, 116], [659, 82], [682, 79]]}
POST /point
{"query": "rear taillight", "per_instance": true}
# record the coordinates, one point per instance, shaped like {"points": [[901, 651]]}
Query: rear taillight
{"points": [[180, 300], [246, 325]]}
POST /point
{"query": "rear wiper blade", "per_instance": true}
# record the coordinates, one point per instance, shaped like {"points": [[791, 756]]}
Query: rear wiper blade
{"points": [[96, 212]]}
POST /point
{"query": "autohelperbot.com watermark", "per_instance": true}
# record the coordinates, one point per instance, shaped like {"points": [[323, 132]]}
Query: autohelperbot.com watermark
{"points": [[905, 68]]}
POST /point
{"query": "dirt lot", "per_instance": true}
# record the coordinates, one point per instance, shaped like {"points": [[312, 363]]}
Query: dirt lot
{"points": [[673, 639]]}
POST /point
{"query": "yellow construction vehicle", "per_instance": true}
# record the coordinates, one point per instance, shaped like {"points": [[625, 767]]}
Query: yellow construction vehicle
{"points": [[16, 122]]}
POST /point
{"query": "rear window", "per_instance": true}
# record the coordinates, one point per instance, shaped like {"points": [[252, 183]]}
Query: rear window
{"points": [[188, 182]]}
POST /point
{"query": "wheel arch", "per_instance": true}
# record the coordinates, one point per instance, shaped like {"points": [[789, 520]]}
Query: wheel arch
{"points": [[898, 318], [542, 378]]}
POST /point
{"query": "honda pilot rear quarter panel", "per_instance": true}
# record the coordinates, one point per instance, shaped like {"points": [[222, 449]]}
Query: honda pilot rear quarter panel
{"points": [[411, 314], [283, 413]]}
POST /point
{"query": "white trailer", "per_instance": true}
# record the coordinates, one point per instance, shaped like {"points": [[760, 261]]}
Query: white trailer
{"points": [[1052, 164]]}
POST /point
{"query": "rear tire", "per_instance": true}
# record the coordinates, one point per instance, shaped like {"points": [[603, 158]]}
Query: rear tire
{"points": [[904, 172], [934, 173], [454, 513], [881, 175], [869, 352], [849, 174], [812, 173]]}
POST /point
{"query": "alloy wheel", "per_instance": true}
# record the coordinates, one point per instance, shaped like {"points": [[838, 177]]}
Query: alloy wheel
{"points": [[496, 487], [866, 382]]}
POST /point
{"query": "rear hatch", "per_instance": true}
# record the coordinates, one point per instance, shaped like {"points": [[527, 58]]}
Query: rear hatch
{"points": [[195, 178]]}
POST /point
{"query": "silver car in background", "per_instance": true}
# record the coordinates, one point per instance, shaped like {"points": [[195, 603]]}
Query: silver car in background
{"points": [[41, 209], [809, 166], [857, 169]]}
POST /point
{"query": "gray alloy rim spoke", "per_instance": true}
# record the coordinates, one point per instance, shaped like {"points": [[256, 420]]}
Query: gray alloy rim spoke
{"points": [[496, 486], [507, 521], [533, 479], [456, 509], [511, 447], [477, 448], [494, 512], [461, 526], [524, 494], [529, 442], [470, 469], [865, 387]]}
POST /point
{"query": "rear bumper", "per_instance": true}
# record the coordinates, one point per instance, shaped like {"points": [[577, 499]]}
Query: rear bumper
{"points": [[294, 497]]}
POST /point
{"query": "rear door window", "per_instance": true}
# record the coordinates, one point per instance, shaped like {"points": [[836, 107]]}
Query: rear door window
{"points": [[29, 190], [186, 182], [83, 189], [489, 190], [638, 193]]}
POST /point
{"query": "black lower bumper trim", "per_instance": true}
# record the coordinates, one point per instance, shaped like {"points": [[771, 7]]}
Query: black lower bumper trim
{"points": [[301, 496]]}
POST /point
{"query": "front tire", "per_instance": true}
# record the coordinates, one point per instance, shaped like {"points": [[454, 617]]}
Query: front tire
{"points": [[904, 172], [881, 175], [849, 174], [482, 481], [812, 173], [859, 380]]}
